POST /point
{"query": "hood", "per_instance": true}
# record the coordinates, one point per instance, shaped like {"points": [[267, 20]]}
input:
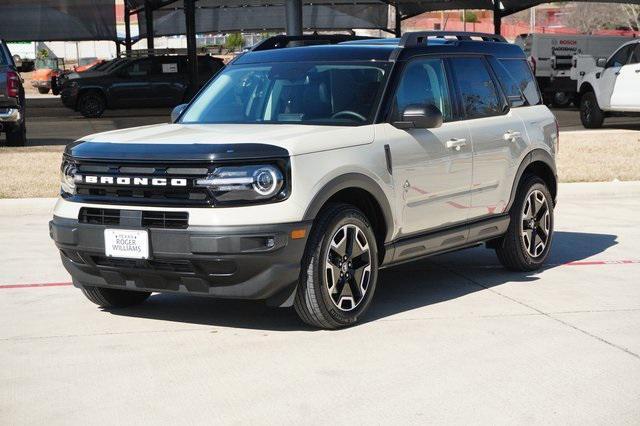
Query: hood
{"points": [[297, 139], [86, 74]]}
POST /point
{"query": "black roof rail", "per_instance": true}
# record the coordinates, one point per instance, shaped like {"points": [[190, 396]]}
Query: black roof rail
{"points": [[282, 41], [412, 39]]}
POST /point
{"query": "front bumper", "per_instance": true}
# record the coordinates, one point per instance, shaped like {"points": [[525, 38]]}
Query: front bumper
{"points": [[41, 83], [69, 97], [10, 115], [249, 262]]}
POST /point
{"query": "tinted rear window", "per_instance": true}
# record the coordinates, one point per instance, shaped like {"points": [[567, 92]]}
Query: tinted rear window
{"points": [[480, 97], [518, 82]]}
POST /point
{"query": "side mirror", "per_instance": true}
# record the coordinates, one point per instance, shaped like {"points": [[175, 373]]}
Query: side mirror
{"points": [[175, 113], [17, 60], [601, 62], [418, 116]]}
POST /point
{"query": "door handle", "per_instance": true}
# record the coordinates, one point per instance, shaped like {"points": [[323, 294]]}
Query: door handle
{"points": [[456, 143], [511, 135], [638, 70]]}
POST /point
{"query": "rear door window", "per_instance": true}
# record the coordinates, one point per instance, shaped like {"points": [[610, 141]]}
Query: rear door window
{"points": [[517, 81], [479, 95]]}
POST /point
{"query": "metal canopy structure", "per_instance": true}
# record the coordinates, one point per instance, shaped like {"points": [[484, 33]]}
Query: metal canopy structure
{"points": [[57, 20]]}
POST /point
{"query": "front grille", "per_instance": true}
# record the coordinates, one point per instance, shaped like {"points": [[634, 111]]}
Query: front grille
{"points": [[173, 220], [130, 194], [177, 266], [99, 216], [147, 219]]}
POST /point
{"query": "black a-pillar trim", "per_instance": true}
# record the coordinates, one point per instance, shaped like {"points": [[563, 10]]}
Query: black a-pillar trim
{"points": [[192, 57]]}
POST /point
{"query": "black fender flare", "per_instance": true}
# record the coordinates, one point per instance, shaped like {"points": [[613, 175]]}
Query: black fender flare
{"points": [[352, 180], [536, 155]]}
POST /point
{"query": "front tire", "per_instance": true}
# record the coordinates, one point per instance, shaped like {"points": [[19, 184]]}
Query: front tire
{"points": [[339, 269], [527, 243], [43, 90], [114, 298], [92, 105], [591, 115]]}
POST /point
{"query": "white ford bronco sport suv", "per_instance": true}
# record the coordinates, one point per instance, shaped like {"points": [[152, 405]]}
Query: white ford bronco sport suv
{"points": [[613, 88], [298, 173]]}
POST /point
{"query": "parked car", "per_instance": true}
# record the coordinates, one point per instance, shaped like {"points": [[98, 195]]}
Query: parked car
{"points": [[298, 173], [153, 81], [12, 105], [46, 70], [612, 88], [552, 55], [85, 64]]}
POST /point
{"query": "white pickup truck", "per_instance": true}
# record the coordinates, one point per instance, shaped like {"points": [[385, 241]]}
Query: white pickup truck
{"points": [[551, 58], [612, 88]]}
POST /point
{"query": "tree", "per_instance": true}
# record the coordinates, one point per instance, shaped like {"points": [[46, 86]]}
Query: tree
{"points": [[589, 18], [632, 13], [234, 42], [469, 16]]}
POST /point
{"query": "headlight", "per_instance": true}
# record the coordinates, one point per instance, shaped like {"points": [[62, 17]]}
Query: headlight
{"points": [[262, 182], [68, 177]]}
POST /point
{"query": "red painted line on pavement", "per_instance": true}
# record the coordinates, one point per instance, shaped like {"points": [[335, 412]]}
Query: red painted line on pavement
{"points": [[602, 262], [34, 285]]}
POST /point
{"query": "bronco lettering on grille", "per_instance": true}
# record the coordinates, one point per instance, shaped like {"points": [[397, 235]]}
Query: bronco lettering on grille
{"points": [[132, 181]]}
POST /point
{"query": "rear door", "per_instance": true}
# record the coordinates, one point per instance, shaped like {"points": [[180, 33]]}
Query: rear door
{"points": [[626, 91], [497, 133], [169, 80]]}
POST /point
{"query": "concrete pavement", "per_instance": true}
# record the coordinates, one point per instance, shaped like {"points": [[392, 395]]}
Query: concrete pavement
{"points": [[453, 339]]}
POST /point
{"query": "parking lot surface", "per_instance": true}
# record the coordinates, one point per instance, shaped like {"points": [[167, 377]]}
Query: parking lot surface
{"points": [[454, 338]]}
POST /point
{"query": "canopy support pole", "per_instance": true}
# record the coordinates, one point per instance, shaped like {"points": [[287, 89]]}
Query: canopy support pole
{"points": [[293, 17], [127, 28], [148, 17], [192, 57], [398, 20], [497, 17]]}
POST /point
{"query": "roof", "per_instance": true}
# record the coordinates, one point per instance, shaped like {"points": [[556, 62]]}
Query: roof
{"points": [[390, 49]]}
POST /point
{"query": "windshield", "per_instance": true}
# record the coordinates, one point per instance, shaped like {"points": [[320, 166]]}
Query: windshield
{"points": [[303, 93]]}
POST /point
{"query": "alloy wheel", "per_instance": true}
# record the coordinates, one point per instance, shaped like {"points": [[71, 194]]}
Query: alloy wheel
{"points": [[348, 267], [536, 223]]}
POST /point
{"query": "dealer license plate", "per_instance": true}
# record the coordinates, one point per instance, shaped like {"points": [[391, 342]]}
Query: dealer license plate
{"points": [[128, 243]]}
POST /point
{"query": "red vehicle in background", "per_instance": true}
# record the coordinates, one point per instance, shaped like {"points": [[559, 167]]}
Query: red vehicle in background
{"points": [[46, 70]]}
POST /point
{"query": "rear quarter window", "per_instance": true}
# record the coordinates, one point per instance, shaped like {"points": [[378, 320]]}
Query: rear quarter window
{"points": [[518, 82]]}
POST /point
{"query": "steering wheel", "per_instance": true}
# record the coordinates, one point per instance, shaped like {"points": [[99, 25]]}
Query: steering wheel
{"points": [[349, 113]]}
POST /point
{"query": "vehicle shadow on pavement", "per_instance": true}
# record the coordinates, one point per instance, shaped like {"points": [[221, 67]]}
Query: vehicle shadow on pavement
{"points": [[400, 289]]}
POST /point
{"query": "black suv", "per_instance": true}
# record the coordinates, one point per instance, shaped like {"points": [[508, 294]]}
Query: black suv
{"points": [[11, 99], [154, 81]]}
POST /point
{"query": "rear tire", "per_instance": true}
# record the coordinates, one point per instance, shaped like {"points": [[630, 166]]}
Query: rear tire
{"points": [[92, 105], [339, 269], [114, 298], [591, 115], [527, 243], [43, 90], [17, 135]]}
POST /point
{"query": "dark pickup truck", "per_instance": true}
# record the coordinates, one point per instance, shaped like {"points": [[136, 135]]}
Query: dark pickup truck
{"points": [[154, 81], [11, 100]]}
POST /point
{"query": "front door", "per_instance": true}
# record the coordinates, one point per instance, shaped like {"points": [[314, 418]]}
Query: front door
{"points": [[626, 92], [609, 76], [431, 167], [132, 86]]}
